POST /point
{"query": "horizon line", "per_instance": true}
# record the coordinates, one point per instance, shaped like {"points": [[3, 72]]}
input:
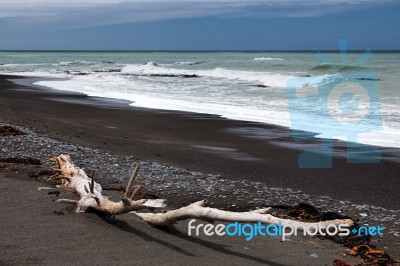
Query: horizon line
{"points": [[204, 51]]}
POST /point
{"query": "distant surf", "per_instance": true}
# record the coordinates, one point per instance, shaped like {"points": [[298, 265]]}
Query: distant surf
{"points": [[267, 59]]}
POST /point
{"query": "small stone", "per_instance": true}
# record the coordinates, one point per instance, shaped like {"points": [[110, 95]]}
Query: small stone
{"points": [[363, 207], [313, 255], [326, 198]]}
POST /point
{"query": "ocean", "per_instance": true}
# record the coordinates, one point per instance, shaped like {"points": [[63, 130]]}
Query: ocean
{"points": [[352, 96]]}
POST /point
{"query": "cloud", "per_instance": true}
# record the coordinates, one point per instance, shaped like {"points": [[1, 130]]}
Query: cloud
{"points": [[74, 13]]}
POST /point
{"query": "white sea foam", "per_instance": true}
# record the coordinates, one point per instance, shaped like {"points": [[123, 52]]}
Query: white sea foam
{"points": [[81, 62], [268, 59], [190, 63], [153, 95], [151, 68], [386, 137], [118, 87], [147, 95]]}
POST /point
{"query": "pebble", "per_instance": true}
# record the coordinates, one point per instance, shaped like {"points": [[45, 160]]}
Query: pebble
{"points": [[326, 198], [166, 180]]}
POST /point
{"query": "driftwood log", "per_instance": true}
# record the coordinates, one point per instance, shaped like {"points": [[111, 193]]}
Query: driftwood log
{"points": [[91, 198]]}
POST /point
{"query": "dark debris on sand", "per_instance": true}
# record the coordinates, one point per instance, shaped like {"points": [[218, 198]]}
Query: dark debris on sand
{"points": [[10, 131], [360, 242], [19, 160]]}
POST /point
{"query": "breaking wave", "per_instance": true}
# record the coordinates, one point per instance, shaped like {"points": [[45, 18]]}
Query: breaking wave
{"points": [[269, 79]]}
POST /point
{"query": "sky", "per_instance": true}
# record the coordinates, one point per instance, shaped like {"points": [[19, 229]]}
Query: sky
{"points": [[198, 24]]}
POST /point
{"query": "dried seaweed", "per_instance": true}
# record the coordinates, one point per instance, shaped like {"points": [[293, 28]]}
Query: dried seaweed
{"points": [[359, 243], [338, 262], [371, 255], [10, 131], [57, 193]]}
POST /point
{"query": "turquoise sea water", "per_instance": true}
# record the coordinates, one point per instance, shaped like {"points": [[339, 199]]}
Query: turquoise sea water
{"points": [[240, 85]]}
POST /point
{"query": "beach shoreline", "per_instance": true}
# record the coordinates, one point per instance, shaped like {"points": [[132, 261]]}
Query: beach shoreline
{"points": [[107, 135], [199, 142]]}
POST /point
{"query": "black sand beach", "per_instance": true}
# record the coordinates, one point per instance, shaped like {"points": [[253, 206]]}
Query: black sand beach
{"points": [[31, 234], [200, 142], [210, 144]]}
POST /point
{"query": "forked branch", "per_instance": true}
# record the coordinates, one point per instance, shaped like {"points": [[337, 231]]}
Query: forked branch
{"points": [[91, 197]]}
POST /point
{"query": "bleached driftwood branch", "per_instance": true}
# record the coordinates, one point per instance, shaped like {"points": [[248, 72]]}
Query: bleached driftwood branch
{"points": [[90, 192], [91, 197]]}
